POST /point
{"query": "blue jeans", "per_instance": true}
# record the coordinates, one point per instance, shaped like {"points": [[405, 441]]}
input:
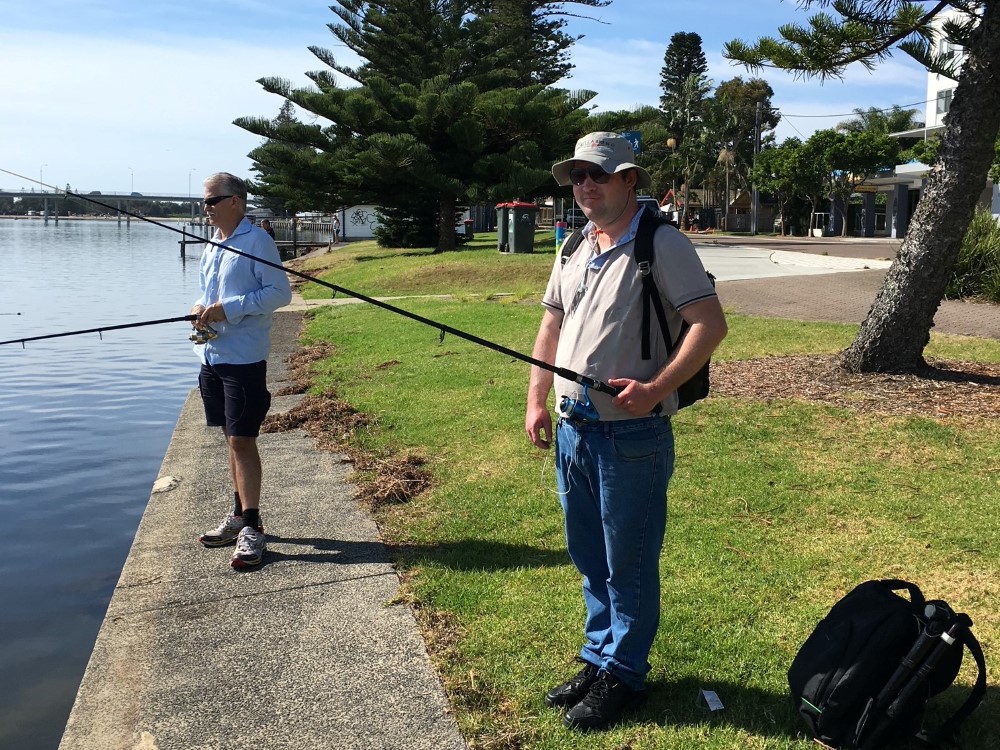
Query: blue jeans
{"points": [[612, 479]]}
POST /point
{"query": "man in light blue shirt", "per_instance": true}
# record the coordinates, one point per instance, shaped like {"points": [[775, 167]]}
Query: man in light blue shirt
{"points": [[239, 296]]}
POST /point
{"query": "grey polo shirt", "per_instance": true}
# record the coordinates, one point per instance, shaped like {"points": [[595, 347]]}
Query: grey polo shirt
{"points": [[600, 298]]}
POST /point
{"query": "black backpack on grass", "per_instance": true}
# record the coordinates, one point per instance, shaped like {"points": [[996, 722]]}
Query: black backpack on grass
{"points": [[696, 388], [862, 679]]}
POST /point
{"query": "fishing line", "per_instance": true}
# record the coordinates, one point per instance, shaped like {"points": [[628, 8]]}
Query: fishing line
{"points": [[442, 327], [100, 330]]}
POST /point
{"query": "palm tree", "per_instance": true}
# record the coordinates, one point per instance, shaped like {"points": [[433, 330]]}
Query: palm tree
{"points": [[881, 121]]}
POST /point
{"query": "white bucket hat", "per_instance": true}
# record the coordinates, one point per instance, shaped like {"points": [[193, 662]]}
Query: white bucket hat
{"points": [[609, 151]]}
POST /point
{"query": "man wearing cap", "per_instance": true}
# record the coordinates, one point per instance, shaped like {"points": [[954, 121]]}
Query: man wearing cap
{"points": [[615, 457]]}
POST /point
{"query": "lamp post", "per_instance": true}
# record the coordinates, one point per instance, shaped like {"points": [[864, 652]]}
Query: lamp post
{"points": [[681, 204], [131, 184], [672, 145], [755, 196], [726, 157], [190, 202], [41, 188]]}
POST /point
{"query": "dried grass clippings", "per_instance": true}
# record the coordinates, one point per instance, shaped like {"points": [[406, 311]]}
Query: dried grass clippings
{"points": [[300, 367]]}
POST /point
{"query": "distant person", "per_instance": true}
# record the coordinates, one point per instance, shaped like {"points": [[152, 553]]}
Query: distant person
{"points": [[239, 297], [265, 224], [615, 455], [336, 230]]}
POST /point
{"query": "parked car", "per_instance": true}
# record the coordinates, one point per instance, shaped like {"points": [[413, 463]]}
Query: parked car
{"points": [[575, 217], [648, 201]]}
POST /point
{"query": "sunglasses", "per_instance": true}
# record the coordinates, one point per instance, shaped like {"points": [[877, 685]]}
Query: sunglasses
{"points": [[578, 174], [215, 199]]}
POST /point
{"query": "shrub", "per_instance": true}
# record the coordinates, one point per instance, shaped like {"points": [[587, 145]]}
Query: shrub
{"points": [[977, 270]]}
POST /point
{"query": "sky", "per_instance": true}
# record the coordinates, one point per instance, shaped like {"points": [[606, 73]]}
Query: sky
{"points": [[140, 96]]}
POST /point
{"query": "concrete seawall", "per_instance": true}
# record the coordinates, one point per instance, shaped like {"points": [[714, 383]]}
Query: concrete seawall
{"points": [[308, 651]]}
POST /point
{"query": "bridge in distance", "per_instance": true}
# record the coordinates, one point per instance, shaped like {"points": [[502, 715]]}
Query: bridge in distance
{"points": [[116, 202], [101, 196]]}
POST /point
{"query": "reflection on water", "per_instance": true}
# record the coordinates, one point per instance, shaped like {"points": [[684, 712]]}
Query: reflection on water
{"points": [[84, 424]]}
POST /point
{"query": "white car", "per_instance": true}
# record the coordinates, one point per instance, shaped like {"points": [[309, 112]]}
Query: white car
{"points": [[648, 201]]}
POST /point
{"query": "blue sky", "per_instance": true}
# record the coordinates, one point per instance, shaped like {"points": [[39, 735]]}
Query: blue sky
{"points": [[113, 95]]}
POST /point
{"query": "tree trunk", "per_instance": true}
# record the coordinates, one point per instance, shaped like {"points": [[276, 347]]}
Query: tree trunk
{"points": [[446, 225], [893, 336]]}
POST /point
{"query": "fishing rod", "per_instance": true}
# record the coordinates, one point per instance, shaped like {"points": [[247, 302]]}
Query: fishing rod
{"points": [[562, 372], [100, 330]]}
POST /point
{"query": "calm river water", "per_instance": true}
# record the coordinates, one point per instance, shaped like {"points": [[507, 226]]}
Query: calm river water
{"points": [[84, 425]]}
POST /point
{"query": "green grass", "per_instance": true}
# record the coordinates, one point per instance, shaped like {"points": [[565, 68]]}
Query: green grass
{"points": [[776, 510], [477, 269]]}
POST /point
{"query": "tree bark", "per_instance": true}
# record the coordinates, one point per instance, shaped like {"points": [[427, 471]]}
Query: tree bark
{"points": [[893, 336], [446, 225]]}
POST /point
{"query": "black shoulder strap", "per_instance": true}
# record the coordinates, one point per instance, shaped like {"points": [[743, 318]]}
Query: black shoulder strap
{"points": [[644, 255], [916, 595], [570, 245], [649, 222]]}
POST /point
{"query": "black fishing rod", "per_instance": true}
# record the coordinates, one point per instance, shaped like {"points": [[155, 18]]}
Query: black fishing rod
{"points": [[443, 328], [100, 330]]}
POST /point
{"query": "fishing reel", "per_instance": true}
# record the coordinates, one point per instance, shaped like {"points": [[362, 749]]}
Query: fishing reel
{"points": [[203, 336], [579, 409]]}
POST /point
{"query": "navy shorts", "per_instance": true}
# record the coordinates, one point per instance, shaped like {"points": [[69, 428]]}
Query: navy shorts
{"points": [[235, 397]]}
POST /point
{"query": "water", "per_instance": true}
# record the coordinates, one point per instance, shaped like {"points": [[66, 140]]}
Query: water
{"points": [[84, 425]]}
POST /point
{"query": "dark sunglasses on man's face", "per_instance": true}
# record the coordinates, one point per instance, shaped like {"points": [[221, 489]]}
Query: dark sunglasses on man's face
{"points": [[216, 199], [578, 174]]}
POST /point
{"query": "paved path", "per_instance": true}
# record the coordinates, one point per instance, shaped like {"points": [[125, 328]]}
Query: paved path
{"points": [[822, 280]]}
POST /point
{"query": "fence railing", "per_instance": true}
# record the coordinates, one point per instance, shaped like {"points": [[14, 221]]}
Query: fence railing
{"points": [[305, 232]]}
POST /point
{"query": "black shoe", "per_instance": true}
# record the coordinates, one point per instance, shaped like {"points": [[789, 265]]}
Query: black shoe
{"points": [[603, 705], [572, 691]]}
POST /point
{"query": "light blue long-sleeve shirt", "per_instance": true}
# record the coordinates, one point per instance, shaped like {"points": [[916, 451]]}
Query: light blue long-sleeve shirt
{"points": [[249, 291]]}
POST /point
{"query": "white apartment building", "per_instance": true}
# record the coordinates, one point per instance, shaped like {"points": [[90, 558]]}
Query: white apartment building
{"points": [[906, 184]]}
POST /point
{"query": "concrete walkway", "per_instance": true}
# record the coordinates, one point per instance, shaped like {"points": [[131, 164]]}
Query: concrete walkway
{"points": [[308, 651]]}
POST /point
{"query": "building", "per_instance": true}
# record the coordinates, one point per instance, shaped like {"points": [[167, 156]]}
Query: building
{"points": [[905, 186]]}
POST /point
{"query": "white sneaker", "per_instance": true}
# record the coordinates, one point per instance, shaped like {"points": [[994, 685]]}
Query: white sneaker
{"points": [[250, 548], [223, 534]]}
